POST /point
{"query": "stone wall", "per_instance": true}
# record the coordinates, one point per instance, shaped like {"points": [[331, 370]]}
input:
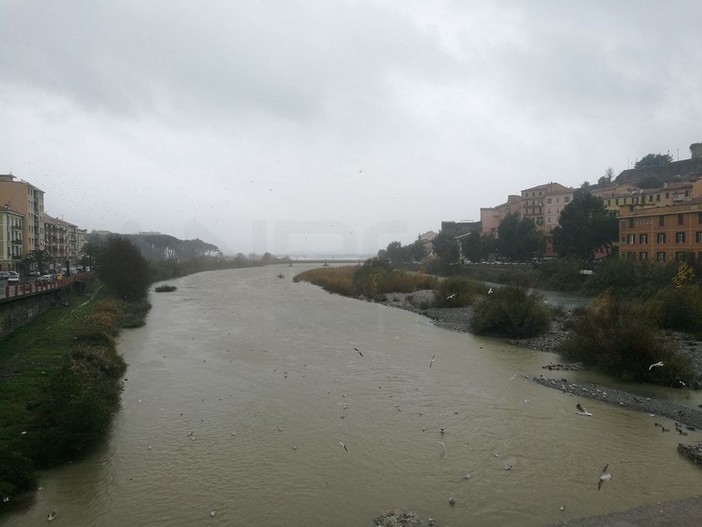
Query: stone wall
{"points": [[18, 311]]}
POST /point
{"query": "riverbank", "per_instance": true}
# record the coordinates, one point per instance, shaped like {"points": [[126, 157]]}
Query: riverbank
{"points": [[60, 386]]}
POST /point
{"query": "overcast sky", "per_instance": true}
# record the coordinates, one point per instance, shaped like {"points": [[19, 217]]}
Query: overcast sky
{"points": [[296, 126]]}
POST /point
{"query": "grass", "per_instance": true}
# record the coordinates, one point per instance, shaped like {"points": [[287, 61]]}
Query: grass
{"points": [[371, 280], [59, 384]]}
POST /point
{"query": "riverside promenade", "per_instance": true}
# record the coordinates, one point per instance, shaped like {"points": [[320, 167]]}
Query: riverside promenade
{"points": [[12, 292]]}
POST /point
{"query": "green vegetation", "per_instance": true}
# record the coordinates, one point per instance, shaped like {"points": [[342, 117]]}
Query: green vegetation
{"points": [[518, 239], [513, 312], [584, 227], [373, 280], [165, 288], [621, 337], [60, 384], [458, 292], [123, 269]]}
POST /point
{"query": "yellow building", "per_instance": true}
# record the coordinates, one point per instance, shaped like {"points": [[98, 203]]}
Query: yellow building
{"points": [[27, 200], [11, 225]]}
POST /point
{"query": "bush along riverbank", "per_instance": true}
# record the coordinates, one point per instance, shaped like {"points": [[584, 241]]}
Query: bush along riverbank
{"points": [[60, 384]]}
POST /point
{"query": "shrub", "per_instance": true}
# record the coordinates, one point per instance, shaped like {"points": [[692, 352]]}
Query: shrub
{"points": [[679, 308], [562, 274], [620, 337], [332, 279], [457, 292], [374, 279], [165, 288], [629, 278], [512, 311]]}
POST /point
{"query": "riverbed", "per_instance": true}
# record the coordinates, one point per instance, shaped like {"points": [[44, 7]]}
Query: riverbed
{"points": [[253, 400]]}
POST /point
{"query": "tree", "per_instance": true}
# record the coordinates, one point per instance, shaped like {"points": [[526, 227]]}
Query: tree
{"points": [[607, 178], [37, 257], [123, 269], [446, 248], [653, 160], [395, 253], [585, 226], [518, 239], [472, 247]]}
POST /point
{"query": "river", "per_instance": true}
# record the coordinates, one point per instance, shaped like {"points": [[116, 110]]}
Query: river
{"points": [[243, 386]]}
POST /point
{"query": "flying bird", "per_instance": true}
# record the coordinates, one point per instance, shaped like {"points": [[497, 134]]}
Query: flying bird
{"points": [[432, 360], [52, 515], [605, 476], [342, 444], [490, 291], [440, 443], [654, 365], [581, 410], [451, 296], [359, 351]]}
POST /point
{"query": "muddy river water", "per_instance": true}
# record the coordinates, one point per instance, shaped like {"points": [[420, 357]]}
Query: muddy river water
{"points": [[246, 403]]}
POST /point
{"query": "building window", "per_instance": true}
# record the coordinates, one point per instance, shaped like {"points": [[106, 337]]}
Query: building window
{"points": [[658, 197], [660, 256], [631, 223], [661, 221], [630, 255], [660, 237], [643, 255], [680, 219], [643, 239], [650, 197], [698, 237], [631, 239], [679, 257], [679, 237], [699, 217], [616, 201]]}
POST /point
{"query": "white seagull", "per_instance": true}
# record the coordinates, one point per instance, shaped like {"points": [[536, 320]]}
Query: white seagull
{"points": [[581, 410], [605, 476], [440, 443], [51, 516], [490, 291], [432, 360], [342, 444], [451, 296], [654, 365]]}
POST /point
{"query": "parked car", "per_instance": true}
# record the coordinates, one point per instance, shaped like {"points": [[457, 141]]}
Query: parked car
{"points": [[33, 273], [14, 278], [4, 275], [45, 278]]}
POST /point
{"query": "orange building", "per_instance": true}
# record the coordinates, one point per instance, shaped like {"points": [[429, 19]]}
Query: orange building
{"points": [[669, 233]]}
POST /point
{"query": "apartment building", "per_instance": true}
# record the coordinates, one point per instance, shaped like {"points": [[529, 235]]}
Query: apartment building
{"points": [[63, 241], [673, 192], [544, 203], [667, 233], [11, 226], [27, 200], [491, 217]]}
